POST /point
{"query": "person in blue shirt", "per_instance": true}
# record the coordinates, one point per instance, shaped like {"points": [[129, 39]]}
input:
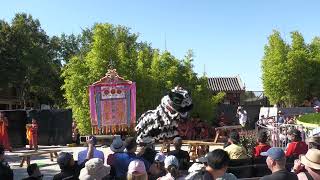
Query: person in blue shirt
{"points": [[122, 160], [96, 153], [280, 117]]}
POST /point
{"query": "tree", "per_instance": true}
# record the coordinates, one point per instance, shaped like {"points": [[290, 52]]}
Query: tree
{"points": [[297, 67], [274, 75], [26, 55], [290, 71], [314, 64], [154, 72]]}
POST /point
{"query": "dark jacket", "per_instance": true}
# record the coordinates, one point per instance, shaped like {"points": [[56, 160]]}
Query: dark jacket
{"points": [[5, 171], [70, 173]]}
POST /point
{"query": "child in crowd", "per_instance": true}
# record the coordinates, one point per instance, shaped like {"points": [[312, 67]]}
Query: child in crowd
{"points": [[262, 145], [296, 147]]}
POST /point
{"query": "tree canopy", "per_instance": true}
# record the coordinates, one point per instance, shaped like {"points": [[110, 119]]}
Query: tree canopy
{"points": [[290, 71], [154, 72]]}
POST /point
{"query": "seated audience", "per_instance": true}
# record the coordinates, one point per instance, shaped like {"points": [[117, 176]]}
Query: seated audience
{"points": [[296, 147], [33, 172], [262, 145], [69, 168], [5, 170], [218, 161], [217, 164], [157, 169], [235, 150], [147, 150], [137, 171], [117, 146], [171, 164], [197, 169], [94, 169], [276, 162], [122, 160], [96, 153], [311, 163], [182, 156]]}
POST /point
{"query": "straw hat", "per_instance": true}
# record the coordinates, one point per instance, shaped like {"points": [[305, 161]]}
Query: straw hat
{"points": [[312, 159], [94, 169]]}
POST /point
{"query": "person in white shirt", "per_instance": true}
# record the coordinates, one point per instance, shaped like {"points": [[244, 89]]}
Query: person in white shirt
{"points": [[242, 115]]}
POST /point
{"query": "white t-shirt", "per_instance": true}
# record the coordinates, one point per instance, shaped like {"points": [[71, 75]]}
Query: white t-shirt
{"points": [[242, 117]]}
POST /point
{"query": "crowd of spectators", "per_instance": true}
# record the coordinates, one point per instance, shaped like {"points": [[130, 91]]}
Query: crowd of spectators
{"points": [[133, 161]]}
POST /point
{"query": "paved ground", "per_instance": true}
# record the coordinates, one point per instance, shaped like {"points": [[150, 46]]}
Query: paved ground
{"points": [[47, 167]]}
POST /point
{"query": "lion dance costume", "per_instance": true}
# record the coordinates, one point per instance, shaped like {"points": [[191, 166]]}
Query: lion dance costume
{"points": [[162, 122]]}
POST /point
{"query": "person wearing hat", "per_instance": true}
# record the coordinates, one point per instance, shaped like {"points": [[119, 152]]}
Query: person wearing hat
{"points": [[311, 163], [314, 142], [276, 162], [117, 146], [94, 170], [235, 150], [157, 169], [296, 147], [171, 164], [137, 171], [182, 156], [96, 153], [69, 168], [147, 150], [122, 160]]}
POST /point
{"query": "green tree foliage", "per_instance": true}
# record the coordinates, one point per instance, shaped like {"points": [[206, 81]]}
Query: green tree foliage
{"points": [[27, 61], [273, 68], [154, 72], [290, 71]]}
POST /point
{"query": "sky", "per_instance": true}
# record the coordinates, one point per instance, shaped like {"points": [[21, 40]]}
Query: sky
{"points": [[227, 37]]}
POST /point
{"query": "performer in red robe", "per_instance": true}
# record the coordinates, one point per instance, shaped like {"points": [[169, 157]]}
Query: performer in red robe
{"points": [[33, 142], [4, 138]]}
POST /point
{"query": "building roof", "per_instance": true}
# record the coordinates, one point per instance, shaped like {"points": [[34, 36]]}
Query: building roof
{"points": [[226, 84]]}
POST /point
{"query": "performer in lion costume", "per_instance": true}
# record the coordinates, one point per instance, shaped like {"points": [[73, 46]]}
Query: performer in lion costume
{"points": [[163, 121]]}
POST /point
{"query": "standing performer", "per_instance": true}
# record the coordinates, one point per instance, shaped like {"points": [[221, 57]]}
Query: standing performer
{"points": [[4, 138], [32, 134], [242, 115]]}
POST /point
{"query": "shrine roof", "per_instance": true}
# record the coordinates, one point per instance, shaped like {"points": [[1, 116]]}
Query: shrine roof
{"points": [[226, 84]]}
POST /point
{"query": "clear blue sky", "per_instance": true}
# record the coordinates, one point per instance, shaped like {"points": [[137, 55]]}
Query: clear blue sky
{"points": [[227, 37]]}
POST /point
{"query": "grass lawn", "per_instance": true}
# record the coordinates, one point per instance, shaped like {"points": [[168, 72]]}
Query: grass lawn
{"points": [[313, 118]]}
